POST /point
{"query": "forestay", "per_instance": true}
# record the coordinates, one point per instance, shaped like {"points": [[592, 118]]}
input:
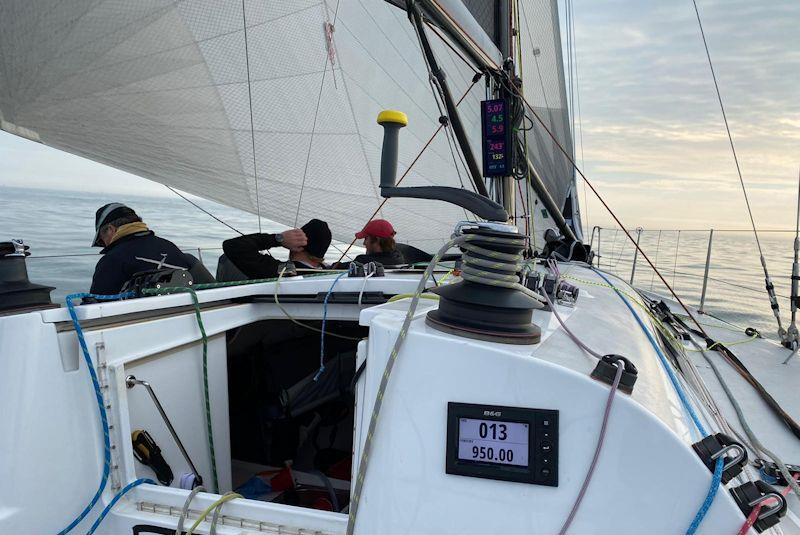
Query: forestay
{"points": [[160, 88]]}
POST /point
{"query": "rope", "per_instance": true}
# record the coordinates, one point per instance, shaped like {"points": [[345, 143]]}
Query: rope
{"points": [[322, 331], [179, 194], [299, 323], [665, 363], [408, 169], [314, 124], [225, 498], [770, 289], [753, 516], [250, 109], [206, 397], [185, 510], [101, 407], [598, 448], [744, 423], [114, 501], [712, 493]]}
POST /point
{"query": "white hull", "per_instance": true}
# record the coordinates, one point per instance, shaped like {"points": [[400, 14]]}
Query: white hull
{"points": [[648, 478]]}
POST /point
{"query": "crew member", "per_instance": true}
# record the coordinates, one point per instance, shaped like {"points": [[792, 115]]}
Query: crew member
{"points": [[129, 247], [378, 236], [307, 247]]}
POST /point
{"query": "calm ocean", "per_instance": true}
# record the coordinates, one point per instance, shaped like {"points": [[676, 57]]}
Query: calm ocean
{"points": [[59, 223]]}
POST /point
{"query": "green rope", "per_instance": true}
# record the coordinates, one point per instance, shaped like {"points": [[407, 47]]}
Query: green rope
{"points": [[210, 432]]}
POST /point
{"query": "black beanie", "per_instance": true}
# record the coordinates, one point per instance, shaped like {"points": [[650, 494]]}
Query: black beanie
{"points": [[319, 237]]}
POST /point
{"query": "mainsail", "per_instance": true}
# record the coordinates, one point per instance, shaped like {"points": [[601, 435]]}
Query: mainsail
{"points": [[266, 106]]}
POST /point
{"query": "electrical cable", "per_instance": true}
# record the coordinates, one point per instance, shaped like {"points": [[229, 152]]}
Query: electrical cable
{"points": [[101, 407], [185, 510], [222, 500], [115, 499], [598, 448], [322, 330]]}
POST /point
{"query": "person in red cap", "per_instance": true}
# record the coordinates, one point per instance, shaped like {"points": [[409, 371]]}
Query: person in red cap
{"points": [[379, 242]]}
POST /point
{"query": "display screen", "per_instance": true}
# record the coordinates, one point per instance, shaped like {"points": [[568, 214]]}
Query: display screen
{"points": [[493, 441], [496, 138]]}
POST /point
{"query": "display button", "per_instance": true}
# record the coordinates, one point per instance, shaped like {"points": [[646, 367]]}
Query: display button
{"points": [[545, 472], [545, 460], [546, 447]]}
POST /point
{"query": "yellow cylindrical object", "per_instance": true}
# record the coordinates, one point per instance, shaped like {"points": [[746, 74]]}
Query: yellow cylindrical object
{"points": [[393, 116]]}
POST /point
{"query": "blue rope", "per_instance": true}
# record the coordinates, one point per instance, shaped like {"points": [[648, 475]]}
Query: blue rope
{"points": [[322, 334], [672, 377], [716, 480], [114, 501], [100, 405], [712, 493]]}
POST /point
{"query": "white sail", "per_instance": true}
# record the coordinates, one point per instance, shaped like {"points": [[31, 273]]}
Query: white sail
{"points": [[542, 70], [160, 89]]}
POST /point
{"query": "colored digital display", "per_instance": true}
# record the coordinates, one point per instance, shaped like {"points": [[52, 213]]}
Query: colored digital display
{"points": [[496, 138]]}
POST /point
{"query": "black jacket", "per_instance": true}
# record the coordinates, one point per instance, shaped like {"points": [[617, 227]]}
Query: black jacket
{"points": [[244, 253], [119, 261], [388, 259]]}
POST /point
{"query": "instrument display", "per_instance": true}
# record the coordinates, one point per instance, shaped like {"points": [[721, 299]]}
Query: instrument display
{"points": [[496, 138], [503, 443]]}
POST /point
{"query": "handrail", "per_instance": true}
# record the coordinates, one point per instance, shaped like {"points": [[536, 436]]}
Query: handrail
{"points": [[626, 259]]}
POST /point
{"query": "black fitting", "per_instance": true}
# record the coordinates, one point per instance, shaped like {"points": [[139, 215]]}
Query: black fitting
{"points": [[750, 495], [478, 76], [751, 331], [606, 372], [733, 454], [771, 469]]}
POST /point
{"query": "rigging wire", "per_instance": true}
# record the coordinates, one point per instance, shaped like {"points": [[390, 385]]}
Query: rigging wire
{"points": [[314, 124], [176, 192], [769, 286], [252, 127]]}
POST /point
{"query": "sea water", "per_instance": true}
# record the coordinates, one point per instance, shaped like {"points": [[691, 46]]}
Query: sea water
{"points": [[59, 227]]}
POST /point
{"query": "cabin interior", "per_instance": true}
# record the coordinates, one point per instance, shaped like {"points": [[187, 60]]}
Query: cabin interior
{"points": [[289, 421]]}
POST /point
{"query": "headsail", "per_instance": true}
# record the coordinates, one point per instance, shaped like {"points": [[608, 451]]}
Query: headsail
{"points": [[541, 67], [160, 88]]}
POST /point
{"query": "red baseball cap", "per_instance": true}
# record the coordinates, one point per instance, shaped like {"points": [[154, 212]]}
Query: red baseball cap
{"points": [[377, 228]]}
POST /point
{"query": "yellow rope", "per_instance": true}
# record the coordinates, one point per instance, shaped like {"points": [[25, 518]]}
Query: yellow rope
{"points": [[225, 498], [659, 324], [398, 297]]}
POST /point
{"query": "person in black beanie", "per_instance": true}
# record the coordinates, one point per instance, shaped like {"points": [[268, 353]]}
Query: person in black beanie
{"points": [[307, 247]]}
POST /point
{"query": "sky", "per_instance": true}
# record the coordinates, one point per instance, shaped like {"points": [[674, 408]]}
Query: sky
{"points": [[654, 143]]}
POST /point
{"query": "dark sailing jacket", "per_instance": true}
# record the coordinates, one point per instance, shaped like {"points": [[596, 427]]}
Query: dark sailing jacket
{"points": [[244, 252], [387, 258], [141, 251]]}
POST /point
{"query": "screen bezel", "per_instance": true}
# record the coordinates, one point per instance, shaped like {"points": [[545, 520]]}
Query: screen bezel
{"points": [[497, 471]]}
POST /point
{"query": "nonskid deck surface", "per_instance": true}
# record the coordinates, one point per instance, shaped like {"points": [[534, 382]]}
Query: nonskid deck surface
{"points": [[764, 358]]}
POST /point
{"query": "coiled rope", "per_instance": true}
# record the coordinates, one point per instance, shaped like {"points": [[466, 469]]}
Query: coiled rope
{"points": [[472, 271]]}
